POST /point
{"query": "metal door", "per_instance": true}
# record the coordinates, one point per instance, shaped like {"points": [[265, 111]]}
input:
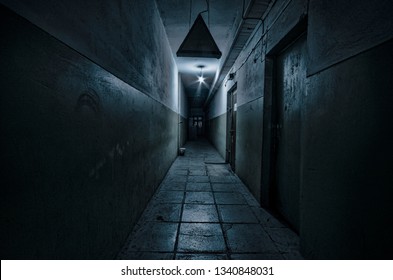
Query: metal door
{"points": [[290, 86], [231, 127]]}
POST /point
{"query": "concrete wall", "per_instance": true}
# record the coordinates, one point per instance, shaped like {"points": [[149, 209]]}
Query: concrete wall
{"points": [[249, 81], [115, 35], [249, 78], [347, 176], [216, 133], [216, 119], [345, 162], [89, 124], [183, 116]]}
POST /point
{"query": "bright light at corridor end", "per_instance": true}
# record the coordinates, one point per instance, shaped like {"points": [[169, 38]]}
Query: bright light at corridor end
{"points": [[201, 79]]}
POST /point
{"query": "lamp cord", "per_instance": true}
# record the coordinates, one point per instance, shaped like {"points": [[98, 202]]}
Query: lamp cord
{"points": [[205, 11], [189, 22]]}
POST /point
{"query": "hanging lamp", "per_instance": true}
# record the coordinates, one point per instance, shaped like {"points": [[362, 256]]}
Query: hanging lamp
{"points": [[199, 42]]}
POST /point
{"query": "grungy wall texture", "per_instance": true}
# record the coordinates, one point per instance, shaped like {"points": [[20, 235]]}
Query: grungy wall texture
{"points": [[216, 120], [82, 149], [183, 115], [216, 132], [347, 178], [113, 34], [248, 145], [345, 139], [249, 78], [249, 82]]}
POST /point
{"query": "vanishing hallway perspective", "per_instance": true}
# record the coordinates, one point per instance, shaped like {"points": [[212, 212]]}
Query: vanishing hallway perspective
{"points": [[202, 210]]}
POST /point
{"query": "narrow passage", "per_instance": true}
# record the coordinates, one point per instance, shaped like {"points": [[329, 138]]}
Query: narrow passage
{"points": [[202, 210]]}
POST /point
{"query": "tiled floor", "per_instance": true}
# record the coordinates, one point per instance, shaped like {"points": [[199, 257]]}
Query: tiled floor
{"points": [[203, 211]]}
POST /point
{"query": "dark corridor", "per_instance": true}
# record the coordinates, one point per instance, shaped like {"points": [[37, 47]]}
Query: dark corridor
{"points": [[203, 211], [97, 98]]}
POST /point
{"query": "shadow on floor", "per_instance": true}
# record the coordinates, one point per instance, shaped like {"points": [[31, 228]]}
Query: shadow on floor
{"points": [[203, 211]]}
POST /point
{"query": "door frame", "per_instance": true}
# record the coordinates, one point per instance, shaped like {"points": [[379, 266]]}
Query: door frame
{"points": [[231, 127], [270, 128]]}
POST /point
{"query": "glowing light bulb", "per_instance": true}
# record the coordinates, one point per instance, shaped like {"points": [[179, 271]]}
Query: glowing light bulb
{"points": [[201, 79]]}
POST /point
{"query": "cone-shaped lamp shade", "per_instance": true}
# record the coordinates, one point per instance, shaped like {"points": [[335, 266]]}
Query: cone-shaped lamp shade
{"points": [[199, 42]]}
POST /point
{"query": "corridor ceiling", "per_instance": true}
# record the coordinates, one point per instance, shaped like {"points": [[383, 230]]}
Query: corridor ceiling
{"points": [[225, 23]]}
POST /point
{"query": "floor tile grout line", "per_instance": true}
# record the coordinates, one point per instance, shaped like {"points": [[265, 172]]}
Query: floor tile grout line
{"points": [[215, 175], [180, 220], [228, 254], [274, 243]]}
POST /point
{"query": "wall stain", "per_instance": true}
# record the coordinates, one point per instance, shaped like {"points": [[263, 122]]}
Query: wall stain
{"points": [[89, 99]]}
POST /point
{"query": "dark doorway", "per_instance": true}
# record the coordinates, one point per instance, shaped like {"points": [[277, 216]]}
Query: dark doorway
{"points": [[231, 126], [290, 81], [196, 127]]}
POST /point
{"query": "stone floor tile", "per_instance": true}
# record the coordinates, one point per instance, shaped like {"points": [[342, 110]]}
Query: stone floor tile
{"points": [[249, 238], [179, 172], [173, 186], [251, 201], [200, 213], [236, 214], [198, 179], [196, 163], [153, 237], [179, 164], [222, 179], [285, 239], [266, 219], [223, 187], [194, 183], [169, 196], [175, 178], [201, 237], [219, 172], [236, 180], [214, 161], [162, 212], [197, 187], [197, 172], [221, 165], [199, 197], [201, 257], [229, 198]]}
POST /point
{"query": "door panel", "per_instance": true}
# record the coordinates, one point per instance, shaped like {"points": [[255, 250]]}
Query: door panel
{"points": [[290, 86], [231, 127]]}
